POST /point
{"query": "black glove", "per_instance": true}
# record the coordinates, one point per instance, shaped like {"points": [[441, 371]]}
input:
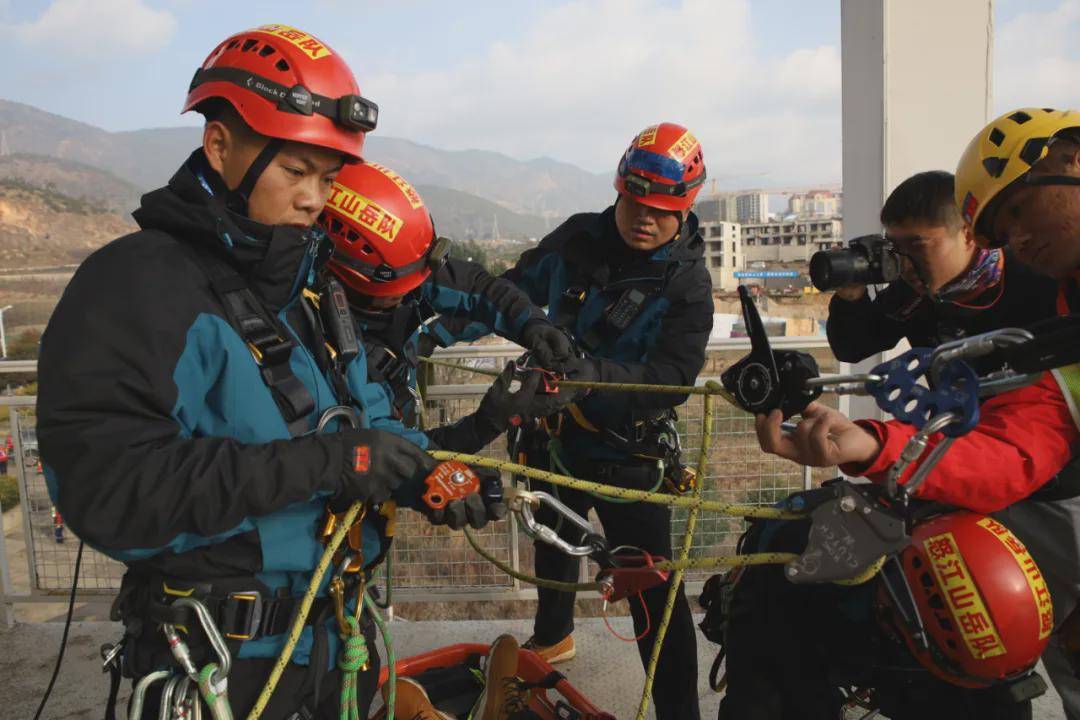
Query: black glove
{"points": [[581, 369], [551, 346], [500, 407], [478, 508], [375, 464]]}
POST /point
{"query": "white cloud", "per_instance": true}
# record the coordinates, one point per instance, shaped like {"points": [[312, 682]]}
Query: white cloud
{"points": [[1034, 59], [584, 77], [97, 28]]}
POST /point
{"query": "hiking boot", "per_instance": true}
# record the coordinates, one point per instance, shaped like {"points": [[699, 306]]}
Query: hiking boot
{"points": [[504, 693], [557, 653], [412, 702]]}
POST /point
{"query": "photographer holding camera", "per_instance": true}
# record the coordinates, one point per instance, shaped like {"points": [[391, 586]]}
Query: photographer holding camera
{"points": [[942, 286]]}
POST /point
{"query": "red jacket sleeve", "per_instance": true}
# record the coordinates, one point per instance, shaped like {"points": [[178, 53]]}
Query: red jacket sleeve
{"points": [[1023, 439]]}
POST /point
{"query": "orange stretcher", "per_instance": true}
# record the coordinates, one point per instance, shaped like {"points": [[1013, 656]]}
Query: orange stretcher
{"points": [[553, 697]]}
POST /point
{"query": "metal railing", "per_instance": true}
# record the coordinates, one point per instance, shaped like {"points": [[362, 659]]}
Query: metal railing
{"points": [[433, 563]]}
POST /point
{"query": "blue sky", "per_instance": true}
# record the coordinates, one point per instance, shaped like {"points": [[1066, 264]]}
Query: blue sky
{"points": [[569, 80]]}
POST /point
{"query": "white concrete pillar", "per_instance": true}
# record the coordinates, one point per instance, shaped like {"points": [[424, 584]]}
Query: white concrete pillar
{"points": [[916, 87]]}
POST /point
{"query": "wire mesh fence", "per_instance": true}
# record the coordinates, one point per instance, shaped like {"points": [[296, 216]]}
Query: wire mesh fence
{"points": [[428, 560]]}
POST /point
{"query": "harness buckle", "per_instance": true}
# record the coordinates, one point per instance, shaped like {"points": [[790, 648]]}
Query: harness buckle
{"points": [[252, 618], [575, 293]]}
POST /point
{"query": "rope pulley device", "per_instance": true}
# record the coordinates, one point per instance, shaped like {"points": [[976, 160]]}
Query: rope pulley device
{"points": [[766, 379], [450, 480]]}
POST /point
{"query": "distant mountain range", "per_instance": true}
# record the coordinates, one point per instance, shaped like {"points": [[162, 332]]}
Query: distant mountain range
{"points": [[467, 191]]}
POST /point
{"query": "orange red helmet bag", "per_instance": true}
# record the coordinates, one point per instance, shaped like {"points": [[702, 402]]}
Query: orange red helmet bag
{"points": [[983, 605]]}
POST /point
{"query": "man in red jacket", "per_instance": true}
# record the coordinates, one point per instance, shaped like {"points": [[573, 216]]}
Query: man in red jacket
{"points": [[1016, 185]]}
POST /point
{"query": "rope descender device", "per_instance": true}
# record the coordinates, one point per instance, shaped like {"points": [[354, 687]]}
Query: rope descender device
{"points": [[629, 574], [768, 379]]}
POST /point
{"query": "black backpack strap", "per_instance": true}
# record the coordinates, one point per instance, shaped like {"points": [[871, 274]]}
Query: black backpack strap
{"points": [[271, 345], [573, 297]]}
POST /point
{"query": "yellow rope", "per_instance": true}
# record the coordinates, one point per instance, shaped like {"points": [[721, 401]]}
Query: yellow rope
{"points": [[709, 388], [868, 574], [684, 555], [305, 608], [658, 498]]}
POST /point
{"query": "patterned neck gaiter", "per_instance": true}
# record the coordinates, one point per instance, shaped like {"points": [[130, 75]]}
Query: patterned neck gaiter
{"points": [[985, 272]]}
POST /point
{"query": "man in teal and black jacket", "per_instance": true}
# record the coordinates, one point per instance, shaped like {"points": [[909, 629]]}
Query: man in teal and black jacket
{"points": [[194, 423]]}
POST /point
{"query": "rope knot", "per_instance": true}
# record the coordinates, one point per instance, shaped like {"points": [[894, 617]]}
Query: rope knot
{"points": [[354, 653]]}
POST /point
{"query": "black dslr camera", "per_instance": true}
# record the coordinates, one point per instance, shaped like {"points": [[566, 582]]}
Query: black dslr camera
{"points": [[867, 260]]}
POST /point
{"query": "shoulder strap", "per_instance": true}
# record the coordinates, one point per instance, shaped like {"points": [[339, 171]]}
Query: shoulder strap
{"points": [[270, 344], [584, 271]]}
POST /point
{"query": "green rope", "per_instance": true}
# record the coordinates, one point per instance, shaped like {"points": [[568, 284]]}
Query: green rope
{"points": [[391, 659], [538, 582], [387, 569], [555, 447], [215, 693], [354, 656]]}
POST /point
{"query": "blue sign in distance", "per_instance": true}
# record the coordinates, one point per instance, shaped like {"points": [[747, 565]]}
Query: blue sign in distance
{"points": [[767, 274]]}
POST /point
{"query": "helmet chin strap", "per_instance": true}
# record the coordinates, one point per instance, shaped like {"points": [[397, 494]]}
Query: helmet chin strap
{"points": [[237, 200]]}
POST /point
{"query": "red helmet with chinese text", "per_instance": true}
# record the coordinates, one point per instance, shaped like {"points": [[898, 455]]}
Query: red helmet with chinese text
{"points": [[663, 168], [289, 85], [968, 600], [384, 239]]}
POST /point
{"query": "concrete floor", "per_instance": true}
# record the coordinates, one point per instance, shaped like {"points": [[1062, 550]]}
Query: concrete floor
{"points": [[607, 671]]}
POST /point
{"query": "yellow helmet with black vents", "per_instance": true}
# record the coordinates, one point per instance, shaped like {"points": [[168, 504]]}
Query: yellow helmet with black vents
{"points": [[1003, 152]]}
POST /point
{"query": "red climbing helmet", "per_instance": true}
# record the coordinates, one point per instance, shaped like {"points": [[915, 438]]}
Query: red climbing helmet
{"points": [[968, 600], [662, 168], [384, 239], [289, 85]]}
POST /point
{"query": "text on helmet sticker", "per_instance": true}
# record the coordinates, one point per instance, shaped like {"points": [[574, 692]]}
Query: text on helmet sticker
{"points": [[403, 185], [960, 594], [364, 212], [684, 147], [1035, 580], [311, 45], [648, 136]]}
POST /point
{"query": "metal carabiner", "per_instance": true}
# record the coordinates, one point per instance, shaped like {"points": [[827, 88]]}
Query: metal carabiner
{"points": [[181, 702], [853, 384], [976, 346], [217, 642], [180, 650], [913, 449], [536, 530], [338, 411], [165, 710], [196, 702], [138, 696]]}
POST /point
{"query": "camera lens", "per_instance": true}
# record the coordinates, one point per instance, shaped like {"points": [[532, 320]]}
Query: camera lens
{"points": [[830, 269]]}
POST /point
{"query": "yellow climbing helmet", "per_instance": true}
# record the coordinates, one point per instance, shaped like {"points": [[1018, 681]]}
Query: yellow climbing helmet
{"points": [[1003, 152]]}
